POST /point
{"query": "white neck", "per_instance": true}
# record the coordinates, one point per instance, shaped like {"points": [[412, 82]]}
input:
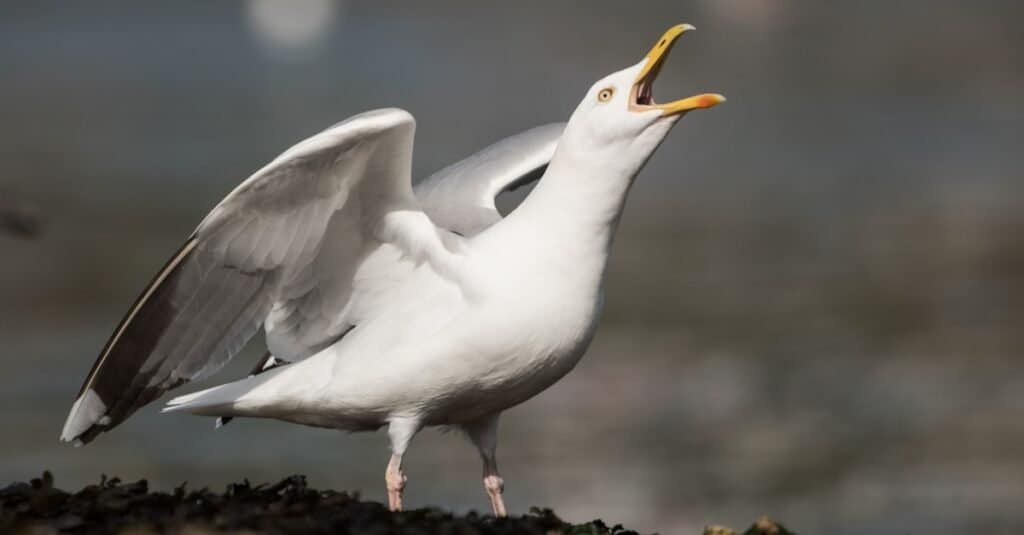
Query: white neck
{"points": [[577, 199], [567, 223], [582, 194]]}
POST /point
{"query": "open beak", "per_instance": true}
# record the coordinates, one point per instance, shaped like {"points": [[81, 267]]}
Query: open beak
{"points": [[641, 97]]}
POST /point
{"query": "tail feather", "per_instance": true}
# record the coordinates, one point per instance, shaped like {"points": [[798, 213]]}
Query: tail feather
{"points": [[265, 364], [216, 401], [223, 400]]}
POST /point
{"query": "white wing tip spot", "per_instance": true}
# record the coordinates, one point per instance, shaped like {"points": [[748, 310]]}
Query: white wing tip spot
{"points": [[88, 410]]}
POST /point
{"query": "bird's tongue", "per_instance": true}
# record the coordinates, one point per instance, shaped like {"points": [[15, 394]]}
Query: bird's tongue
{"points": [[646, 94]]}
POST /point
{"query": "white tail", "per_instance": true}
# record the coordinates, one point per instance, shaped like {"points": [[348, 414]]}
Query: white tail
{"points": [[217, 401]]}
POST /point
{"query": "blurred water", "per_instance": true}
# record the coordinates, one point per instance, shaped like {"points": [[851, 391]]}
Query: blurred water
{"points": [[814, 301]]}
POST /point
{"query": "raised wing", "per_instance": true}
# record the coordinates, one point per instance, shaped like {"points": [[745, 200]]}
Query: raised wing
{"points": [[280, 249], [461, 197]]}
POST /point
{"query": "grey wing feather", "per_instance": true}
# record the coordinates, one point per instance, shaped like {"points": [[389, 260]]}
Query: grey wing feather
{"points": [[190, 320], [461, 197], [256, 251], [213, 295]]}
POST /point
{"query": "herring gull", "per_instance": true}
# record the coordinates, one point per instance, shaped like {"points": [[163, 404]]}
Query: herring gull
{"points": [[389, 305]]}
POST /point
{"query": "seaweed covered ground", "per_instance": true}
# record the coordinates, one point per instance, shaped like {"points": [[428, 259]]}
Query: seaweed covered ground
{"points": [[288, 506]]}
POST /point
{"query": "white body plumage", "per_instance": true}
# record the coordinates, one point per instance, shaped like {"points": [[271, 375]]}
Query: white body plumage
{"points": [[393, 306]]}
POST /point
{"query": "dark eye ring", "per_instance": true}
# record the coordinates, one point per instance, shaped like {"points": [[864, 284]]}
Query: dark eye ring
{"points": [[606, 94]]}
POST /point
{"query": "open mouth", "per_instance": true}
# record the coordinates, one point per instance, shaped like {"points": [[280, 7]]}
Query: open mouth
{"points": [[644, 89], [641, 97]]}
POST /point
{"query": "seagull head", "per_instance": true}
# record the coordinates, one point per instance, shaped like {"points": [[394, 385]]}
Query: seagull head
{"points": [[619, 117]]}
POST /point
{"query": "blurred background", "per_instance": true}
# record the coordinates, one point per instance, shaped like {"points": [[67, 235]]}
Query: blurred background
{"points": [[814, 304]]}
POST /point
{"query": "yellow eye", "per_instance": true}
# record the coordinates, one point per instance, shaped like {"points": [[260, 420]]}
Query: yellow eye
{"points": [[605, 95]]}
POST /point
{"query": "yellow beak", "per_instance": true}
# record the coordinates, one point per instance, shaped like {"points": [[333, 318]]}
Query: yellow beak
{"points": [[641, 98]]}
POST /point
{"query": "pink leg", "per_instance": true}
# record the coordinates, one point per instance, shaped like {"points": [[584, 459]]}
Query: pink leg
{"points": [[484, 435], [400, 431], [494, 486], [395, 479]]}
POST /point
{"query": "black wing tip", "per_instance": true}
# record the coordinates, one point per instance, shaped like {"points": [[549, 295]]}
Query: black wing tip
{"points": [[179, 257], [87, 418], [88, 436], [122, 390]]}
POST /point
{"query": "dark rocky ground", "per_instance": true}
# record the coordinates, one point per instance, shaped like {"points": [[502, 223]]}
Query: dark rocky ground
{"points": [[288, 506]]}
